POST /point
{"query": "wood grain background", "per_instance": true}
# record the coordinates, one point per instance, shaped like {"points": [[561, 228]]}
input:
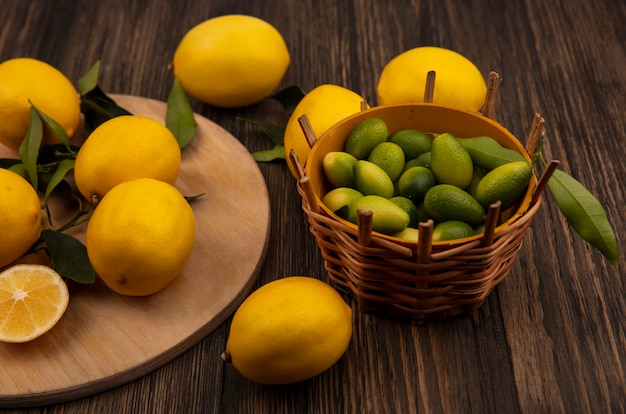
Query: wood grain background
{"points": [[550, 339]]}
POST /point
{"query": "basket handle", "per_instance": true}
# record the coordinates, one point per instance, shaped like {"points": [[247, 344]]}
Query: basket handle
{"points": [[296, 161], [364, 224], [490, 222], [536, 132], [305, 182], [493, 83], [429, 88], [425, 237], [307, 129], [543, 180]]}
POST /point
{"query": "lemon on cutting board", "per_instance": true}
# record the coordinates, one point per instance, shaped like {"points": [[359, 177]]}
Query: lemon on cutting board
{"points": [[25, 81], [20, 216]]}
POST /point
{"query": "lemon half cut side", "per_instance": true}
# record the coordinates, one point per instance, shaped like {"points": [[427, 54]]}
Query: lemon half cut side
{"points": [[33, 298]]}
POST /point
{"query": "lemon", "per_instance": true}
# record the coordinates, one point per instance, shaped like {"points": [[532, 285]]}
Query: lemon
{"points": [[452, 229], [338, 200], [458, 81], [445, 202], [140, 236], [24, 79], [412, 142], [365, 136], [389, 157], [387, 217], [414, 183], [370, 179], [20, 216], [339, 168], [324, 106], [450, 162], [33, 298], [231, 61], [123, 149], [506, 183], [289, 330]]}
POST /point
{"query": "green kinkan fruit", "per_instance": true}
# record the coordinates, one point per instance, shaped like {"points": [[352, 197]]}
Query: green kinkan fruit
{"points": [[506, 183], [387, 217], [446, 202], [365, 136], [450, 162]]}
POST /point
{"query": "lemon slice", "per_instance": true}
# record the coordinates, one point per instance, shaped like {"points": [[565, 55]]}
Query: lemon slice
{"points": [[32, 300]]}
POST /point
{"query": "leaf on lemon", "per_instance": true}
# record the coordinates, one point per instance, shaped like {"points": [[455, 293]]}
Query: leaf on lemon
{"points": [[97, 107], [69, 256], [90, 80], [57, 176], [584, 213], [179, 118], [278, 152], [29, 149], [56, 128], [289, 97]]}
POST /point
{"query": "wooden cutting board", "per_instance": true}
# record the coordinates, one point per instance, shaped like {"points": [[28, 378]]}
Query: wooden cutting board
{"points": [[105, 339]]}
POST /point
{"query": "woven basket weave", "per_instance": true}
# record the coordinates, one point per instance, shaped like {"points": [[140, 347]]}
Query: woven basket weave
{"points": [[423, 280]]}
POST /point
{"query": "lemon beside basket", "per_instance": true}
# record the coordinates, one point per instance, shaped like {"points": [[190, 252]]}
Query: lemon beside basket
{"points": [[415, 280]]}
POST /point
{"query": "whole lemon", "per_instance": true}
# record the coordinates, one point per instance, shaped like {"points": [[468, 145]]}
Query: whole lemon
{"points": [[231, 61], [458, 81], [20, 216], [123, 149], [140, 236], [26, 80], [324, 106], [289, 330]]}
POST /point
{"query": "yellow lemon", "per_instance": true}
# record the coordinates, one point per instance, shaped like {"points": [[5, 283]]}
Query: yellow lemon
{"points": [[20, 216], [123, 149], [33, 298], [289, 330], [324, 106], [231, 61], [26, 80], [140, 236], [458, 81]]}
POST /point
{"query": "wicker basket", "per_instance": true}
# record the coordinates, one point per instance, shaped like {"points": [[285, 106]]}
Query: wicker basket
{"points": [[414, 280]]}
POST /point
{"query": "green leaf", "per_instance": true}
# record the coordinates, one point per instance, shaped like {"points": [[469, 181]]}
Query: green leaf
{"points": [[20, 169], [9, 163], [274, 132], [179, 117], [29, 149], [97, 108], [584, 213], [90, 80], [54, 153], [289, 97], [69, 256], [278, 152], [61, 170], [193, 198], [56, 128]]}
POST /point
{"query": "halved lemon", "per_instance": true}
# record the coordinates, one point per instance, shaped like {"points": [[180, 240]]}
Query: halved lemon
{"points": [[33, 298]]}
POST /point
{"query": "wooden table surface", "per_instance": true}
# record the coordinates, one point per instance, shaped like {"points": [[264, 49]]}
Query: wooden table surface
{"points": [[551, 338]]}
